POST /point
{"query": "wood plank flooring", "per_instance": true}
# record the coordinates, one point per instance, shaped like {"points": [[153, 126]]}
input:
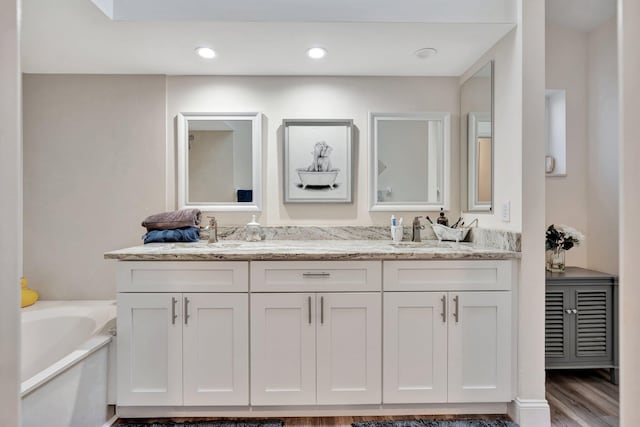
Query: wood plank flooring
{"points": [[581, 398]]}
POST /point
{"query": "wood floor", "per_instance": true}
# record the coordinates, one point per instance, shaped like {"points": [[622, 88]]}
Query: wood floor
{"points": [[582, 398]]}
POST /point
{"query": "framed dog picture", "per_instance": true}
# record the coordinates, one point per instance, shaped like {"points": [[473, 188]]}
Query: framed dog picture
{"points": [[318, 156]]}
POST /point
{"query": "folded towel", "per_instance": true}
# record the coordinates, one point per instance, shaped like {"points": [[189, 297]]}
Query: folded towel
{"points": [[173, 219], [185, 234]]}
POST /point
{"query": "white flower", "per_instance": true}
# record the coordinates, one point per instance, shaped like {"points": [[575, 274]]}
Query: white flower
{"points": [[571, 233]]}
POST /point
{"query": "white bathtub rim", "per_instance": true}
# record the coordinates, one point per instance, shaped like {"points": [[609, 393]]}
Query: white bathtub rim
{"points": [[89, 347], [102, 335]]}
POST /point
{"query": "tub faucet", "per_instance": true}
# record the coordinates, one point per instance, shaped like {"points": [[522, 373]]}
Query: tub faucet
{"points": [[213, 229], [415, 235]]}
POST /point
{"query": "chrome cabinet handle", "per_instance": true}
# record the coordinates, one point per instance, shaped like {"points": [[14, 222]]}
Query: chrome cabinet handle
{"points": [[444, 308], [309, 307], [186, 310], [174, 316], [322, 310], [575, 311], [571, 311], [312, 275], [456, 300]]}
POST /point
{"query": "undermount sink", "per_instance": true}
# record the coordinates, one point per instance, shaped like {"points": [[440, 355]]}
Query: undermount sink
{"points": [[203, 244], [407, 244]]}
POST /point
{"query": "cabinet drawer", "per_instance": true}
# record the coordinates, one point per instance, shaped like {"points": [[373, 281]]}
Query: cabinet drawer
{"points": [[312, 276], [186, 276], [447, 275]]}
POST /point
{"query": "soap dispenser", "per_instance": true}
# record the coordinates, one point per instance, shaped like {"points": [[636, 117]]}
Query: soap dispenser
{"points": [[254, 231], [443, 220]]}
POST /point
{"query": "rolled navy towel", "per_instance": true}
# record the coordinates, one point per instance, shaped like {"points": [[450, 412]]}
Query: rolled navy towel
{"points": [[185, 234], [173, 219]]}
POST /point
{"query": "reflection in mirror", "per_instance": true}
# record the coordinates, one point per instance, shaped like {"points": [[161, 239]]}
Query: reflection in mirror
{"points": [[409, 155], [219, 161], [476, 134]]}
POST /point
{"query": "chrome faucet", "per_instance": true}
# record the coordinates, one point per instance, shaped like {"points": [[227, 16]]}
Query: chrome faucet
{"points": [[213, 229], [415, 235]]}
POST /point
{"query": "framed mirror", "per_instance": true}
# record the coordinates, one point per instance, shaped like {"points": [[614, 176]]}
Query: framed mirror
{"points": [[220, 161], [476, 137], [409, 155]]}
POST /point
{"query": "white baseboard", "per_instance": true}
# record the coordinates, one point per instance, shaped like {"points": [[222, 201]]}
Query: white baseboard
{"points": [[310, 411], [530, 412], [111, 422]]}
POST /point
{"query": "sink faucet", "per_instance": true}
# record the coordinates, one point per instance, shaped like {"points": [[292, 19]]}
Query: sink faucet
{"points": [[213, 229], [415, 235]]}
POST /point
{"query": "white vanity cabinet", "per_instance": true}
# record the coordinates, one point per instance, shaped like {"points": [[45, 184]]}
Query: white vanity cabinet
{"points": [[253, 337], [183, 348], [315, 347], [447, 331]]}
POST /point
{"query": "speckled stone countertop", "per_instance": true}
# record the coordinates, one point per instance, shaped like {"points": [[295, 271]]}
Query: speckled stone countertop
{"points": [[319, 250]]}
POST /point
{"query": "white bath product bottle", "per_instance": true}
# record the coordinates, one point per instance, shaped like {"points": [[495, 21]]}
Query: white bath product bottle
{"points": [[254, 231]]}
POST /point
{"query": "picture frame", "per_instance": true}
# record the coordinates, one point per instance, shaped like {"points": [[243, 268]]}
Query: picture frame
{"points": [[318, 160]]}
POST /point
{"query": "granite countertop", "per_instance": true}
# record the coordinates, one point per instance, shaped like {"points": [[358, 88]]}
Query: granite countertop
{"points": [[299, 250]]}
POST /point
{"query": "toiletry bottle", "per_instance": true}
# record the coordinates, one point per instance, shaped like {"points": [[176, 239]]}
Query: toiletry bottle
{"points": [[443, 220], [254, 231]]}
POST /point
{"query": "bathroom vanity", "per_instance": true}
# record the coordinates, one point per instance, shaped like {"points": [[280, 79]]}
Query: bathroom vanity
{"points": [[314, 327]]}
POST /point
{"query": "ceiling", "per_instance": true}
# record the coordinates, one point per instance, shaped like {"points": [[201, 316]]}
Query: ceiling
{"points": [[76, 36], [584, 15]]}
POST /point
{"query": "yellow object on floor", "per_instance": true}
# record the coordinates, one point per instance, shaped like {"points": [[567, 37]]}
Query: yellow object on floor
{"points": [[29, 296]]}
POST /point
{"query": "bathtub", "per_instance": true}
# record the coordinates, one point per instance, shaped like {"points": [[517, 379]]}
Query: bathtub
{"points": [[67, 363]]}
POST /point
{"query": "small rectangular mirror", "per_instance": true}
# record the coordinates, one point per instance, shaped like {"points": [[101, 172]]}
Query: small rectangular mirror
{"points": [[409, 161], [476, 136], [219, 161]]}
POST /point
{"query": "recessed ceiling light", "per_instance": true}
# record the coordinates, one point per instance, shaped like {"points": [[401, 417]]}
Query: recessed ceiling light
{"points": [[316, 52], [426, 52], [206, 52]]}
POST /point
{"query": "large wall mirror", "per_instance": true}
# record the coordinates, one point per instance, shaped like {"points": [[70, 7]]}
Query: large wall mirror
{"points": [[476, 141], [219, 161], [409, 161]]}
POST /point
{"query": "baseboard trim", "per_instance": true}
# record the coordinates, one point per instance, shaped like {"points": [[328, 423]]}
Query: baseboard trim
{"points": [[111, 422], [530, 412], [311, 411]]}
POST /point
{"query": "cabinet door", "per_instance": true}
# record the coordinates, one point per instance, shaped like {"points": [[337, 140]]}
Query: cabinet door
{"points": [[349, 340], [415, 347], [283, 350], [556, 336], [593, 322], [216, 349], [480, 347], [149, 349]]}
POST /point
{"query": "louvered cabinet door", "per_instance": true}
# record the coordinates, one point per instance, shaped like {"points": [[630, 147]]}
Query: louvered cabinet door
{"points": [[556, 339], [593, 323]]}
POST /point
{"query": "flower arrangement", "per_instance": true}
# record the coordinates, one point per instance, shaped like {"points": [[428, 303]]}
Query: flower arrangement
{"points": [[560, 238]]}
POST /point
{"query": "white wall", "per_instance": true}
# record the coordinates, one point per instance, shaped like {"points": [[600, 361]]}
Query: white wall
{"points": [[629, 79], [566, 196], [534, 410], [519, 178], [507, 128], [10, 211], [603, 141], [312, 97], [93, 169], [96, 149]]}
